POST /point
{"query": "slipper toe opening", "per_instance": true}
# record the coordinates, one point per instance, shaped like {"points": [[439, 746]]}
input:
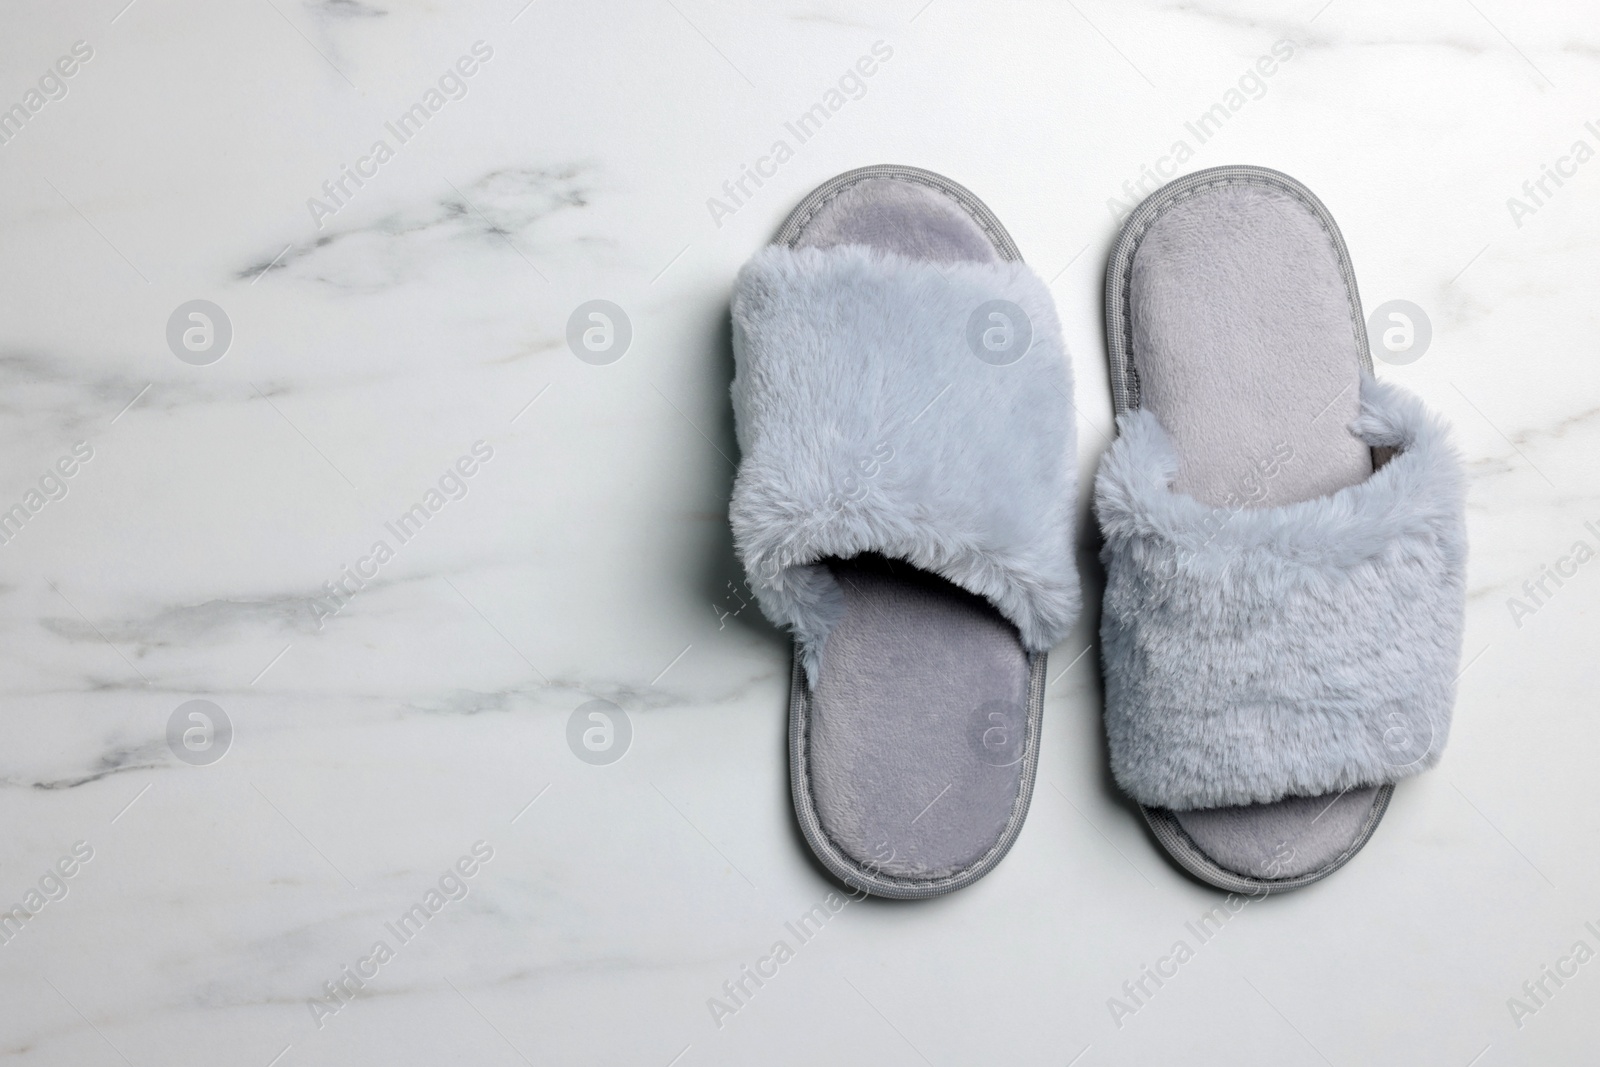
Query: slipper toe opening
{"points": [[1292, 840]]}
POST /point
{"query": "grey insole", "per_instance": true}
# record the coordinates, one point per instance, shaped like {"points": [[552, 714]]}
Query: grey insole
{"points": [[899, 216], [918, 722], [919, 717], [1242, 339]]}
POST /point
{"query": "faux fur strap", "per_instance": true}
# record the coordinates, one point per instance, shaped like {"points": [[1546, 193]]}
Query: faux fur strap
{"points": [[873, 417], [1286, 651]]}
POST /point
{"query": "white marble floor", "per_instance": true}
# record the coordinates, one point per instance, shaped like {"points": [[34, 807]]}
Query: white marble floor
{"points": [[401, 331]]}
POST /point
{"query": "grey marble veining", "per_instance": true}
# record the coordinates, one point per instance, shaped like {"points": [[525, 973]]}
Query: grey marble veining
{"points": [[431, 702]]}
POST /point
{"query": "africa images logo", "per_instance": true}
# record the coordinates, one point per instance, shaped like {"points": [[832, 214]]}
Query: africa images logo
{"points": [[851, 85], [451, 85]]}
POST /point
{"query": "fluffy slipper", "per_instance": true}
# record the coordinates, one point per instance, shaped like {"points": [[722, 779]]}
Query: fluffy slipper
{"points": [[904, 506], [1285, 545]]}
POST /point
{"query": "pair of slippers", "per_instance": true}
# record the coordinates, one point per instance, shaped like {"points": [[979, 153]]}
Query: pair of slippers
{"points": [[1284, 540]]}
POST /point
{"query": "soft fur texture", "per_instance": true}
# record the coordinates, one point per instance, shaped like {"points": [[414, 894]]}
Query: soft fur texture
{"points": [[1285, 651], [866, 424]]}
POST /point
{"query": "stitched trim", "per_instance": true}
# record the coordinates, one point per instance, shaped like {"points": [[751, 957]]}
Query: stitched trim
{"points": [[828, 191], [859, 876], [1119, 274], [1182, 848]]}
